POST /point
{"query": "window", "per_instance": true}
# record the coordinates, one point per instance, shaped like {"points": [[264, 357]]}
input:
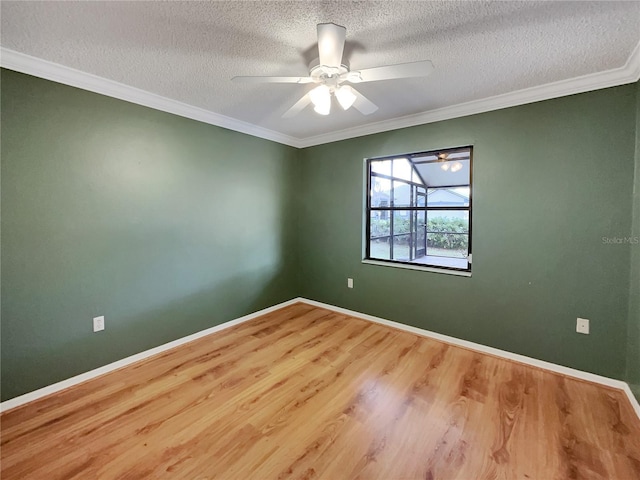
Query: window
{"points": [[419, 209]]}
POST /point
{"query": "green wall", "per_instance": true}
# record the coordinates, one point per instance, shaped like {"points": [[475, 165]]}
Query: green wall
{"points": [[164, 225], [633, 347], [168, 226], [551, 179]]}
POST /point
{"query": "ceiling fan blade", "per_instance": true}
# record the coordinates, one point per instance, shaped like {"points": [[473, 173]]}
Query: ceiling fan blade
{"points": [[272, 79], [389, 72], [331, 44], [297, 107], [363, 104]]}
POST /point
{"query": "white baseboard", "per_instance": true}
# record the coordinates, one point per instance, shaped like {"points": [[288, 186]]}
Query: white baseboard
{"points": [[569, 372], [83, 377]]}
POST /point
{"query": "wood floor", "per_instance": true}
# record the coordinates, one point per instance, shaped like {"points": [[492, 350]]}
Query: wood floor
{"points": [[308, 393]]}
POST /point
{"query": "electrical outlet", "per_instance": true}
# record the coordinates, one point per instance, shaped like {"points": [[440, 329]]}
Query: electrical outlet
{"points": [[582, 326], [349, 282], [98, 324]]}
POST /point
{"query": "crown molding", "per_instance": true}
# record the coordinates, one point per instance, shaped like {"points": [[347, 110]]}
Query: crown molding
{"points": [[38, 67], [633, 64], [629, 73], [21, 62]]}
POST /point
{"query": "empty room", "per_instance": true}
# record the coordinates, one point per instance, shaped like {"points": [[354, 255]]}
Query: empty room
{"points": [[335, 240]]}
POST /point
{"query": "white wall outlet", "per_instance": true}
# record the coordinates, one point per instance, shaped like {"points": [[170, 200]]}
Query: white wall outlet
{"points": [[582, 326], [98, 324], [349, 282]]}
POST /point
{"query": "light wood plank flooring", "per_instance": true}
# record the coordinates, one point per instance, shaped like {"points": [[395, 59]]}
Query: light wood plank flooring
{"points": [[308, 393]]}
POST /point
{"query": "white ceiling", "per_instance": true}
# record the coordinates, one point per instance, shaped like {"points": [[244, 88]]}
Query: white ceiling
{"points": [[189, 51]]}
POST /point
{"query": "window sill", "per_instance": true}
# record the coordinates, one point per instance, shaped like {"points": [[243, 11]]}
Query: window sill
{"points": [[446, 271]]}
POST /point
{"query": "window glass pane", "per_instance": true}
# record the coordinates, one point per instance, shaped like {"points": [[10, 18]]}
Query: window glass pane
{"points": [[380, 223], [381, 166], [448, 197], [380, 249], [448, 245], [419, 208], [380, 192], [448, 221], [401, 248], [401, 194], [401, 222], [420, 220], [402, 169], [425, 158], [402, 227], [447, 233], [460, 155], [446, 173]]}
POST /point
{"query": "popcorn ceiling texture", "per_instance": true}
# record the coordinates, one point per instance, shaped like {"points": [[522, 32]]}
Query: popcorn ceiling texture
{"points": [[188, 51]]}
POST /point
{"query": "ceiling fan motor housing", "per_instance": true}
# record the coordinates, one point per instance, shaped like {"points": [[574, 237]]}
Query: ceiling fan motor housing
{"points": [[329, 76], [329, 73]]}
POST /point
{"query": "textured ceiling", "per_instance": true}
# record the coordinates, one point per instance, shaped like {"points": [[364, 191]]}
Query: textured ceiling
{"points": [[188, 51]]}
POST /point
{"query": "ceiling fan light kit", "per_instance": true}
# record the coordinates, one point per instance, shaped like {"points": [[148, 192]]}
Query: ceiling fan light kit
{"points": [[446, 163], [321, 99], [329, 72], [346, 96], [456, 167]]}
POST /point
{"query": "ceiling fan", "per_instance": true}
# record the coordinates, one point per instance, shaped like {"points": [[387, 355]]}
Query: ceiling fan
{"points": [[331, 76]]}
